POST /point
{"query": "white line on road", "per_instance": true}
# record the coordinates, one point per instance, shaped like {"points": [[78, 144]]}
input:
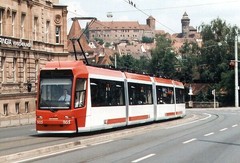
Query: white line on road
{"points": [[223, 129], [188, 141], [101, 142], [208, 116], [143, 158], [235, 125], [51, 154], [211, 133]]}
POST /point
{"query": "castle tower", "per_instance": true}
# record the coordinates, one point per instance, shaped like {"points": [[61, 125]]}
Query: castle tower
{"points": [[151, 22], [185, 25]]}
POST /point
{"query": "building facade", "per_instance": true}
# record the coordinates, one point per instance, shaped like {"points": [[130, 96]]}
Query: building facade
{"points": [[32, 32], [117, 31]]}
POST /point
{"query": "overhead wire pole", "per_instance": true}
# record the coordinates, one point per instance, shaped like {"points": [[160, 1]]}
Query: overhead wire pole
{"points": [[236, 71]]}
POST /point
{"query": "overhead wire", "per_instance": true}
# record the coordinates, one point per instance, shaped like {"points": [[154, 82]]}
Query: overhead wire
{"points": [[176, 7], [128, 1]]}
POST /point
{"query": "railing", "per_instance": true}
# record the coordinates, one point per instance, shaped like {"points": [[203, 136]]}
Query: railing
{"points": [[17, 119]]}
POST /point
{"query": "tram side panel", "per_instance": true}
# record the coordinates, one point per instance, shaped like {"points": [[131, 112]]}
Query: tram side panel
{"points": [[106, 104], [140, 99], [180, 99], [168, 95], [165, 102]]}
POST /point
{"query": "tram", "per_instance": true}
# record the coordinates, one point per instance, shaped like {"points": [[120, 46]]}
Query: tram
{"points": [[100, 98], [75, 97]]}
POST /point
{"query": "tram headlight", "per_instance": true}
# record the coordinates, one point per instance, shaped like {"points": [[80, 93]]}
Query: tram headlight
{"points": [[39, 117]]}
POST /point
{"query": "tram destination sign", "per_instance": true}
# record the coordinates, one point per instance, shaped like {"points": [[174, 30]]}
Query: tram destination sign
{"points": [[8, 41]]}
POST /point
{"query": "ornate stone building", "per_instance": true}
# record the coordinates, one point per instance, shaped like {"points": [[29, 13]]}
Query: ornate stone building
{"points": [[32, 32]]}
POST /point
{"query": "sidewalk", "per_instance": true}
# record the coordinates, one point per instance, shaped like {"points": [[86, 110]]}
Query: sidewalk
{"points": [[16, 120]]}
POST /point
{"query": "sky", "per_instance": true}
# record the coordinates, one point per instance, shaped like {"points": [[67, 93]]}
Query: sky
{"points": [[168, 13]]}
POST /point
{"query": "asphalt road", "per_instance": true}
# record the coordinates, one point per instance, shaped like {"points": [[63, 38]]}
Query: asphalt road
{"points": [[213, 137]]}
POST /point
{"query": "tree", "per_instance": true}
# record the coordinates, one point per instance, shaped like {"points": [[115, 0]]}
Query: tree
{"points": [[147, 39], [187, 62], [127, 62], [99, 41], [163, 58], [216, 53]]}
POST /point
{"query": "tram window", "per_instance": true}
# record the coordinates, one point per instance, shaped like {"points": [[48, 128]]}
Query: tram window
{"points": [[80, 93], [165, 95], [140, 94], [180, 95], [50, 92], [107, 93]]}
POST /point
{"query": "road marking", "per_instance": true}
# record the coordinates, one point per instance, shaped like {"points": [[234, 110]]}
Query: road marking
{"points": [[51, 154], [234, 125], [143, 158], [209, 115], [223, 129], [211, 133], [188, 141], [101, 142]]}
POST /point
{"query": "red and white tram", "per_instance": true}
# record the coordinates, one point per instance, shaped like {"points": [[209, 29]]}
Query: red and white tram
{"points": [[102, 98]]}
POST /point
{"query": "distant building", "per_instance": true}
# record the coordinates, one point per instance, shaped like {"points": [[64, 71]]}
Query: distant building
{"points": [[187, 30], [185, 25], [118, 31], [189, 34], [32, 32]]}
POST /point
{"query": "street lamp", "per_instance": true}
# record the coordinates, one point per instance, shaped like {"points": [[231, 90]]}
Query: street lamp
{"points": [[190, 94]]}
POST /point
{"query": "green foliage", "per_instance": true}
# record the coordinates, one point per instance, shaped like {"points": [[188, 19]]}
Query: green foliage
{"points": [[216, 53], [206, 64], [147, 39], [163, 58], [107, 44], [127, 62], [100, 41], [187, 62]]}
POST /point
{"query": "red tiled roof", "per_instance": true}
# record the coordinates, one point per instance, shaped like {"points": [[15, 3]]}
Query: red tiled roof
{"points": [[101, 25]]}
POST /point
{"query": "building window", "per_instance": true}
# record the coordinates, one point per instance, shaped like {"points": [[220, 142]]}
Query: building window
{"points": [[14, 68], [47, 31], [35, 28], [26, 107], [3, 68], [1, 22], [58, 33], [17, 107], [36, 71], [24, 70], [22, 25], [13, 23], [5, 109]]}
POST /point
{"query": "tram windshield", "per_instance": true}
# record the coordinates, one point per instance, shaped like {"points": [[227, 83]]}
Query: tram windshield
{"points": [[55, 93]]}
